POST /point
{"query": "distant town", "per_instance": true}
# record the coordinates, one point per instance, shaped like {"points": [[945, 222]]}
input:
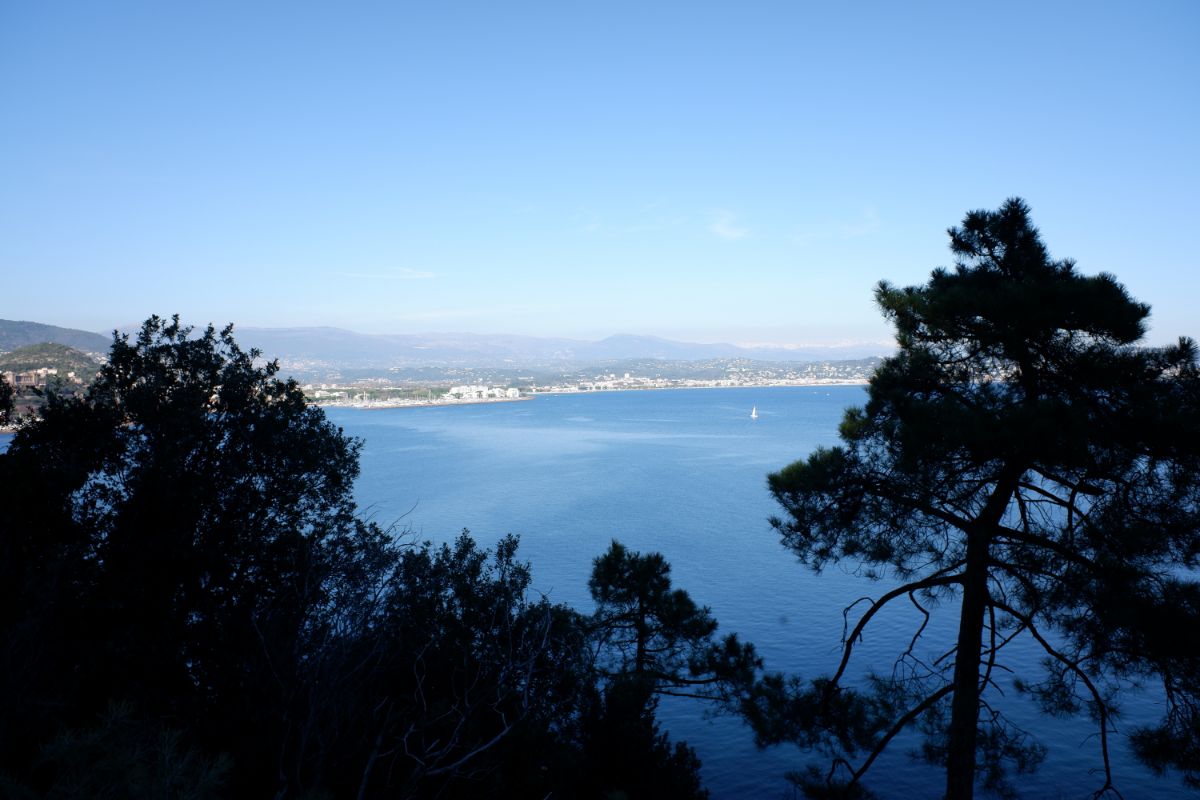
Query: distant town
{"points": [[370, 372], [39, 378], [382, 393]]}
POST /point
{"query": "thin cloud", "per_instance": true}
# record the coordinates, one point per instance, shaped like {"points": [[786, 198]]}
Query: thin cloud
{"points": [[726, 228], [397, 274]]}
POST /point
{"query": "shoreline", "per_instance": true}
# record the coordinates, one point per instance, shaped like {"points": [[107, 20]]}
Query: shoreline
{"points": [[781, 385], [384, 405]]}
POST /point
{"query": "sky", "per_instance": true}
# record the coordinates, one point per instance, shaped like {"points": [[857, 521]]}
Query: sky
{"points": [[704, 171]]}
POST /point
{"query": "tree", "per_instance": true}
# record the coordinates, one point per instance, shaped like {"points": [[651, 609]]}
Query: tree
{"points": [[653, 634], [190, 605], [124, 757], [175, 540], [651, 639], [1022, 455]]}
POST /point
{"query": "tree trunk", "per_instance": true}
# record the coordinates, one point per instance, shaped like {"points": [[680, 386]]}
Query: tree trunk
{"points": [[964, 709]]}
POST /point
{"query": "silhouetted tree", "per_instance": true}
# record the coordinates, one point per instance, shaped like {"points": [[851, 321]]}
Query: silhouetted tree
{"points": [[189, 606], [1024, 456], [651, 639], [457, 661], [182, 529], [123, 757], [625, 754], [652, 633]]}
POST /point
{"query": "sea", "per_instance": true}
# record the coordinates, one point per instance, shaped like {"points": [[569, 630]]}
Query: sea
{"points": [[684, 473]]}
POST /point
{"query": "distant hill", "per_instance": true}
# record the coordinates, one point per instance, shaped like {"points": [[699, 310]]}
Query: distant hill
{"points": [[358, 350], [14, 334], [54, 356]]}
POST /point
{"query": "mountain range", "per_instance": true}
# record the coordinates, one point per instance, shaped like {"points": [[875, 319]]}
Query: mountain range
{"points": [[347, 348], [336, 345]]}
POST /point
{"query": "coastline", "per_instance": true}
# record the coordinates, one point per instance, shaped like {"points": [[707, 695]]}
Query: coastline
{"points": [[379, 405], [780, 385]]}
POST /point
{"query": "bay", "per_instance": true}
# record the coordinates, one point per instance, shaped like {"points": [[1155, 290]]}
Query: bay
{"points": [[684, 473]]}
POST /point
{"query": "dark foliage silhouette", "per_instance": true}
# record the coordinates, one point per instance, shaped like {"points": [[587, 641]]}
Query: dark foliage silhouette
{"points": [[190, 606], [656, 635], [1024, 461]]}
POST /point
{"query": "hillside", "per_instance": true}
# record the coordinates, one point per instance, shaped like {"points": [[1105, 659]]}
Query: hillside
{"points": [[15, 334], [50, 355]]}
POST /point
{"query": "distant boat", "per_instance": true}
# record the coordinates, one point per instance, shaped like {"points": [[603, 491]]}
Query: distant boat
{"points": [[754, 412]]}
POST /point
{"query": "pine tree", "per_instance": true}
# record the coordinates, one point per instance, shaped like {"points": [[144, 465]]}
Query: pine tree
{"points": [[1025, 456]]}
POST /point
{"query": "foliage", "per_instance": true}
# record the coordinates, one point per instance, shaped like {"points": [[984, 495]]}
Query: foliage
{"points": [[190, 605], [125, 757], [651, 639], [626, 756], [183, 526], [1022, 455], [657, 635], [453, 661]]}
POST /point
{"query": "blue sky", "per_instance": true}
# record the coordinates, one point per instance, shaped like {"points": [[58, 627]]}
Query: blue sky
{"points": [[704, 171]]}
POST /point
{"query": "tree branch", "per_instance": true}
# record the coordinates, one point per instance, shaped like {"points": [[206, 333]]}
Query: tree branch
{"points": [[928, 583], [901, 723], [1101, 706], [1046, 543]]}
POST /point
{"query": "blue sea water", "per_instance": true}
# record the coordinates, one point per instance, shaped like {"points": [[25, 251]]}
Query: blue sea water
{"points": [[684, 473]]}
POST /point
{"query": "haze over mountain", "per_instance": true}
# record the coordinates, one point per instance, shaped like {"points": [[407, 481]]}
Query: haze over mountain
{"points": [[337, 345], [351, 349]]}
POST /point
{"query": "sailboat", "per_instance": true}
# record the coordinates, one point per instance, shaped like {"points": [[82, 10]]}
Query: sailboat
{"points": [[754, 412]]}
